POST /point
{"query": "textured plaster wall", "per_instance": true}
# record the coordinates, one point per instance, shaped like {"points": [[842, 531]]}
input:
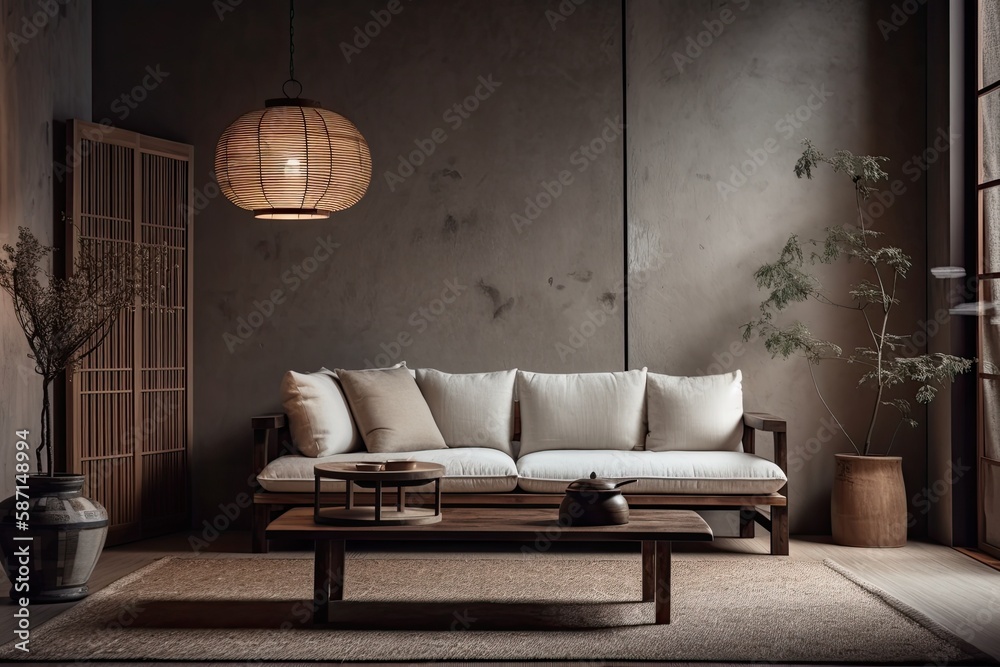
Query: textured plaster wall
{"points": [[714, 133], [430, 267], [45, 73], [544, 290]]}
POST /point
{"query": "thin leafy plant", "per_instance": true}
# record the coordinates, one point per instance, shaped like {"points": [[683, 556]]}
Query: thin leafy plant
{"points": [[882, 364], [66, 319]]}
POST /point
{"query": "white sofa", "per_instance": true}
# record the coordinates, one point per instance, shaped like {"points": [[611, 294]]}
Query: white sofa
{"points": [[518, 438]]}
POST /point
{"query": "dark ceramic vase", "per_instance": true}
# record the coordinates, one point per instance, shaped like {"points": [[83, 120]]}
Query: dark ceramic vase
{"points": [[67, 531]]}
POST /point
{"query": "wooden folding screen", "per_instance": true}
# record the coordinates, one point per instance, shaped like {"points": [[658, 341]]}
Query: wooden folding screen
{"points": [[129, 405]]}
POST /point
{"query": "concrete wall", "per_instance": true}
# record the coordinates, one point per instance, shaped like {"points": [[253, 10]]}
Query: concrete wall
{"points": [[531, 292], [720, 97], [521, 289], [44, 79]]}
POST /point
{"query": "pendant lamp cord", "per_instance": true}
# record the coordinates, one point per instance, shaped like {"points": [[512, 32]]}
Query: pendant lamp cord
{"points": [[291, 52]]}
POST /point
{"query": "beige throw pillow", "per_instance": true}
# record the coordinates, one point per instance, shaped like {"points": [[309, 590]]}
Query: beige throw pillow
{"points": [[390, 411], [318, 416], [695, 413], [471, 409]]}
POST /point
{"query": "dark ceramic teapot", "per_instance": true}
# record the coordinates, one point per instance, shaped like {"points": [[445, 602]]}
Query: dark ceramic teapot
{"points": [[594, 502]]}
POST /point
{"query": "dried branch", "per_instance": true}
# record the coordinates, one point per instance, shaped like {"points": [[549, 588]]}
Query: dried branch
{"points": [[788, 282], [64, 320]]}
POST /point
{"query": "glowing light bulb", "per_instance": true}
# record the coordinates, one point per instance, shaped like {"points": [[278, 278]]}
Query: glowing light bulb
{"points": [[292, 167]]}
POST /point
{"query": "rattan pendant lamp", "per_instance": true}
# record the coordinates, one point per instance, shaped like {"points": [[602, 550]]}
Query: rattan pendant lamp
{"points": [[292, 160]]}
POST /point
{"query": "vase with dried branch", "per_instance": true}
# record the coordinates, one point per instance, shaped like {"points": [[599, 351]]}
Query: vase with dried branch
{"points": [[885, 365], [64, 320]]}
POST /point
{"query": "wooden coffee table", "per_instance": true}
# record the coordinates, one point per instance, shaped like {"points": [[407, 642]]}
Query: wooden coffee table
{"points": [[656, 529]]}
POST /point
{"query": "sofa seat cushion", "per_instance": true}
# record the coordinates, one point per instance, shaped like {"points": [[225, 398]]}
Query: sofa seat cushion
{"points": [[467, 470], [675, 472]]}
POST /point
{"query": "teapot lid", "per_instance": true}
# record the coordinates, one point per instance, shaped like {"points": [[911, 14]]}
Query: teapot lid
{"points": [[594, 483]]}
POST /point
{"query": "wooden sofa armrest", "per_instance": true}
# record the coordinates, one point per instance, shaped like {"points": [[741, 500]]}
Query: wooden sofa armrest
{"points": [[276, 420], [266, 430], [777, 522], [761, 421]]}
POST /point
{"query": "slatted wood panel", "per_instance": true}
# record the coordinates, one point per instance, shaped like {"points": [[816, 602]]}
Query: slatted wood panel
{"points": [[164, 346], [129, 411]]}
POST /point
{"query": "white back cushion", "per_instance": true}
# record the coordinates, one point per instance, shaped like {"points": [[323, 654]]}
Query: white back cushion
{"points": [[582, 410], [318, 416], [695, 413], [471, 409]]}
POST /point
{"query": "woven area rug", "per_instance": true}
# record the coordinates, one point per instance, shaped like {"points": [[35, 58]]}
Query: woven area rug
{"points": [[741, 610]]}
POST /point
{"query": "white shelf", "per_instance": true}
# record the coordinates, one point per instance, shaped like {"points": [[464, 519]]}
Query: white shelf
{"points": [[948, 272], [975, 309]]}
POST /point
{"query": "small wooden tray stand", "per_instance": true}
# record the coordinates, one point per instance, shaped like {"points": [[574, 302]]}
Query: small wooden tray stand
{"points": [[398, 515]]}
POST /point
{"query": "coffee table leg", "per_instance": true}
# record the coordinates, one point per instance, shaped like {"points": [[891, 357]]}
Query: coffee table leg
{"points": [[400, 498], [648, 571], [662, 582], [316, 499], [328, 578]]}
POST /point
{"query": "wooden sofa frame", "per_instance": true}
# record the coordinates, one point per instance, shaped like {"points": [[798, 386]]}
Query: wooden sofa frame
{"points": [[271, 439]]}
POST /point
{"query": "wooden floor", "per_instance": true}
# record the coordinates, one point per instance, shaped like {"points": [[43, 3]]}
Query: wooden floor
{"points": [[951, 588]]}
